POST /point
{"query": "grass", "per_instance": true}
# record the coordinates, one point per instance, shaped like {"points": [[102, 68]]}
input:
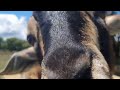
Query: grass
{"points": [[4, 56]]}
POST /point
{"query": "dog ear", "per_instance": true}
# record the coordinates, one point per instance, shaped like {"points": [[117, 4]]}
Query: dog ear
{"points": [[103, 14], [20, 61], [113, 23]]}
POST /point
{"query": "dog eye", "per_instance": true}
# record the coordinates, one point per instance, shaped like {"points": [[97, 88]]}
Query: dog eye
{"points": [[31, 39]]}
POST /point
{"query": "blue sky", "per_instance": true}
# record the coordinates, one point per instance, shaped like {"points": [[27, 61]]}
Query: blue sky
{"points": [[27, 14], [118, 12], [14, 23]]}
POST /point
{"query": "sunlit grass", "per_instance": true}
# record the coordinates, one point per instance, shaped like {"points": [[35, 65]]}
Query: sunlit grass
{"points": [[4, 56]]}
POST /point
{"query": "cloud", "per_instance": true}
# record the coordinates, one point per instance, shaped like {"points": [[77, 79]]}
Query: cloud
{"points": [[12, 26]]}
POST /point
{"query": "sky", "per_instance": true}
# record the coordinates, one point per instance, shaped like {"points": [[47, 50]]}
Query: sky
{"points": [[118, 12], [14, 24]]}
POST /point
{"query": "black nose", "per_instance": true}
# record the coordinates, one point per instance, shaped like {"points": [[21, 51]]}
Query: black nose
{"points": [[31, 39]]}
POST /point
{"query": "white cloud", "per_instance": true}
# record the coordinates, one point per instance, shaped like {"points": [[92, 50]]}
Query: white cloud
{"points": [[12, 26]]}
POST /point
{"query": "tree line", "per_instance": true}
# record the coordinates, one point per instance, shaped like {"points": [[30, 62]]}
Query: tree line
{"points": [[13, 44]]}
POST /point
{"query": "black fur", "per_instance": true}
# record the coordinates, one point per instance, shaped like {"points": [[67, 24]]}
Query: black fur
{"points": [[31, 39], [65, 56], [104, 39], [106, 46]]}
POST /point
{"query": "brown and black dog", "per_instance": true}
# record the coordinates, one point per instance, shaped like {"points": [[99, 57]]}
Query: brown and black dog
{"points": [[72, 44], [76, 45]]}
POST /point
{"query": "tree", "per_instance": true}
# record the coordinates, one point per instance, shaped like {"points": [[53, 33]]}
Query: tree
{"points": [[14, 44], [1, 42]]}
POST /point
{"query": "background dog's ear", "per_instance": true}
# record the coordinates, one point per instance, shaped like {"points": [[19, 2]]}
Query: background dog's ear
{"points": [[110, 18], [19, 62], [101, 14], [113, 23]]}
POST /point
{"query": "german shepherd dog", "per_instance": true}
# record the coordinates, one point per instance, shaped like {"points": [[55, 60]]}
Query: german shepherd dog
{"points": [[76, 45]]}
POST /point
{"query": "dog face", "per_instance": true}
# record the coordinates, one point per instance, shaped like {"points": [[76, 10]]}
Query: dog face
{"points": [[71, 41]]}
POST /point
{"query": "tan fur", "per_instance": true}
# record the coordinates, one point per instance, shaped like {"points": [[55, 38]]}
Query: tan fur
{"points": [[90, 33], [33, 29], [27, 54], [99, 64], [113, 23], [94, 34], [32, 70], [33, 73], [100, 69]]}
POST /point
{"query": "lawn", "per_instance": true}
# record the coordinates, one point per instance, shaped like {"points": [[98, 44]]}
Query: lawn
{"points": [[4, 56]]}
